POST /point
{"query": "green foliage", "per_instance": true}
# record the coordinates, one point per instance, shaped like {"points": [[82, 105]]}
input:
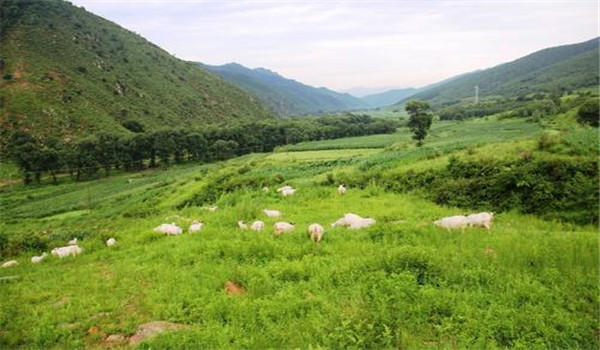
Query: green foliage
{"points": [[74, 74], [84, 158], [419, 120], [589, 113]]}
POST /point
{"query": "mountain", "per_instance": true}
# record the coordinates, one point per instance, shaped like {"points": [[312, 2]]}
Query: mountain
{"points": [[68, 72], [285, 96], [558, 68], [362, 91], [388, 97]]}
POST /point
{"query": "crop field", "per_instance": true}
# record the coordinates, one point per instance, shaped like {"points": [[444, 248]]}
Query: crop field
{"points": [[402, 283], [445, 134]]}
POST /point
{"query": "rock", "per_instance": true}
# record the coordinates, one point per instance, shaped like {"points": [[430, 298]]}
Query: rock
{"points": [[114, 339], [232, 288], [151, 329], [93, 330]]}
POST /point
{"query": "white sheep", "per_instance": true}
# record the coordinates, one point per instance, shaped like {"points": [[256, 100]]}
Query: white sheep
{"points": [[242, 225], [10, 263], [353, 222], [169, 229], [272, 213], [340, 223], [38, 259], [73, 241], [195, 227], [70, 250], [452, 222], [281, 227], [265, 189], [363, 223], [286, 190], [316, 231], [257, 226], [342, 189], [213, 208], [484, 219], [110, 242]]}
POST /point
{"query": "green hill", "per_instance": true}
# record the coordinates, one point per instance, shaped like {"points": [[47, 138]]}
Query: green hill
{"points": [[286, 96], [69, 72], [560, 68]]}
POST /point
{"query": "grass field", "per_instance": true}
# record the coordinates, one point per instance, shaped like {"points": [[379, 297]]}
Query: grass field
{"points": [[402, 283], [443, 134]]}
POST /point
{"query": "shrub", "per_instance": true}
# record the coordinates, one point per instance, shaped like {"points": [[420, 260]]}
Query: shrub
{"points": [[589, 113]]}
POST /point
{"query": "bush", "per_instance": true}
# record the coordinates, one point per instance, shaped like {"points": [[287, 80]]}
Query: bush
{"points": [[589, 113]]}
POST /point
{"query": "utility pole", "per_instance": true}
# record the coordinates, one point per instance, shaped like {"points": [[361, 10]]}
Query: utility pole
{"points": [[476, 94]]}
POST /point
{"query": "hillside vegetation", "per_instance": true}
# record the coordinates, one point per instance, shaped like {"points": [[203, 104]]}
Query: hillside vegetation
{"points": [[402, 283], [557, 69], [70, 73], [286, 96]]}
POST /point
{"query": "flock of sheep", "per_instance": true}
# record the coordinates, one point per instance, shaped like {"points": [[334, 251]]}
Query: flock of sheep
{"points": [[71, 249], [315, 231]]}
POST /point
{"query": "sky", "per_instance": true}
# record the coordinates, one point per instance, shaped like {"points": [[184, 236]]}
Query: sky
{"points": [[343, 45]]}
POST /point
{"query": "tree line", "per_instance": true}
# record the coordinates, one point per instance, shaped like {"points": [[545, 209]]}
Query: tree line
{"points": [[85, 158]]}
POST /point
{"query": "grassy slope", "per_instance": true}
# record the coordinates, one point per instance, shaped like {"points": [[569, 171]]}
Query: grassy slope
{"points": [[402, 283], [74, 73], [553, 69]]}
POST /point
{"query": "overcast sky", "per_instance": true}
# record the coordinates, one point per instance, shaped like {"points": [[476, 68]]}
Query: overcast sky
{"points": [[345, 44]]}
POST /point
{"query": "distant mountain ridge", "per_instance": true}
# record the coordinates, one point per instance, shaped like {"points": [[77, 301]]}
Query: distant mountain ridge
{"points": [[285, 96], [69, 73], [388, 97], [557, 68]]}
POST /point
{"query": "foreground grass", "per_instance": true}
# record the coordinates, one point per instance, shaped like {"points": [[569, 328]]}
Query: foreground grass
{"points": [[403, 283]]}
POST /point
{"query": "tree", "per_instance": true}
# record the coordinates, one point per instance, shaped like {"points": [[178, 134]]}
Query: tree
{"points": [[589, 113], [420, 119]]}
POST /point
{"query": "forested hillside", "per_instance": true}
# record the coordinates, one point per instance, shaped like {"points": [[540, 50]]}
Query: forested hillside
{"points": [[71, 73], [286, 96], [556, 69]]}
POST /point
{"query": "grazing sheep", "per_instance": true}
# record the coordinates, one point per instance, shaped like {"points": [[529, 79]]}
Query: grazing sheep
{"points": [[38, 259], [353, 222], [213, 208], [111, 242], [169, 229], [67, 251], [281, 227], [316, 232], [363, 223], [10, 263], [339, 223], [481, 219], [265, 189], [272, 213], [257, 226], [342, 189], [195, 227], [452, 222], [73, 241], [242, 225], [286, 190]]}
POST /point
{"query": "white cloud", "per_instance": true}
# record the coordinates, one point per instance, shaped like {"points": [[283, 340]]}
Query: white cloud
{"points": [[340, 44]]}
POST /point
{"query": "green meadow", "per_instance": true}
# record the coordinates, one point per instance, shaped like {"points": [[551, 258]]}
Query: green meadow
{"points": [[402, 283]]}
